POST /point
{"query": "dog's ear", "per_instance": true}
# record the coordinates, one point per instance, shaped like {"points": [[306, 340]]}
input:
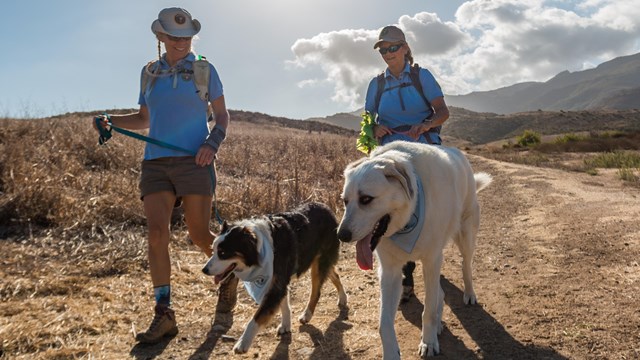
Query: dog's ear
{"points": [[225, 227], [355, 163], [398, 172], [250, 243]]}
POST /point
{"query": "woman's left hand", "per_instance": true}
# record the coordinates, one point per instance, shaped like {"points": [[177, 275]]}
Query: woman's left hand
{"points": [[205, 156], [418, 129]]}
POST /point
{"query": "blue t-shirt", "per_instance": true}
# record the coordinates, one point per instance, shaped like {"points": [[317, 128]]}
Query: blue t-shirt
{"points": [[403, 105], [177, 115]]}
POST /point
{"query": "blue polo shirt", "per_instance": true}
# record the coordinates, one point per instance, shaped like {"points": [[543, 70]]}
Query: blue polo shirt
{"points": [[177, 114], [403, 105]]}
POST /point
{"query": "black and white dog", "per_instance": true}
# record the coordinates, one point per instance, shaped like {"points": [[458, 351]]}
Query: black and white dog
{"points": [[267, 252]]}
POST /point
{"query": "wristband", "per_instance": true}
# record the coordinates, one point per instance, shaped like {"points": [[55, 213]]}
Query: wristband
{"points": [[216, 136]]}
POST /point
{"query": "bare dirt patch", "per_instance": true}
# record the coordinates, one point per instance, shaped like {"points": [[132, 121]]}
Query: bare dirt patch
{"points": [[556, 269]]}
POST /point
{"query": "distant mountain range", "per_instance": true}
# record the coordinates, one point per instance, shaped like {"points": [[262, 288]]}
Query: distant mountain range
{"points": [[613, 85], [481, 128]]}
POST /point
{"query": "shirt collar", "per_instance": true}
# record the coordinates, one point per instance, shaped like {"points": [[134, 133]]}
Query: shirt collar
{"points": [[406, 70], [191, 57]]}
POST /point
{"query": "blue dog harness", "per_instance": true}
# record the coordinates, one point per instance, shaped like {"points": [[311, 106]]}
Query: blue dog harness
{"points": [[407, 237]]}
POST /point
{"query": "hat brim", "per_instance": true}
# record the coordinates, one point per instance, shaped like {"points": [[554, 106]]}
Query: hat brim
{"points": [[157, 27], [379, 42]]}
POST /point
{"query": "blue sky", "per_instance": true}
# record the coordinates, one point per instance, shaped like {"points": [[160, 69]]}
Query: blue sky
{"points": [[299, 58]]}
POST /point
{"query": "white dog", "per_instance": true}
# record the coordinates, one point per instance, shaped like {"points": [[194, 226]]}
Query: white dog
{"points": [[405, 202]]}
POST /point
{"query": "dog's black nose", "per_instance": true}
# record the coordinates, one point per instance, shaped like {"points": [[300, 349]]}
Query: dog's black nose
{"points": [[205, 271], [344, 235]]}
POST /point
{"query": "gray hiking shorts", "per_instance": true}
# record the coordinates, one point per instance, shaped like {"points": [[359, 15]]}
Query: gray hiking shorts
{"points": [[179, 175]]}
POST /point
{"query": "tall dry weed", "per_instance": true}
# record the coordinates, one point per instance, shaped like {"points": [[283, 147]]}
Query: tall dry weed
{"points": [[53, 174]]}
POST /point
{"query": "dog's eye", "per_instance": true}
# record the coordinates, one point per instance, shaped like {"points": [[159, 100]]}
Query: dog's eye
{"points": [[364, 200], [221, 253]]}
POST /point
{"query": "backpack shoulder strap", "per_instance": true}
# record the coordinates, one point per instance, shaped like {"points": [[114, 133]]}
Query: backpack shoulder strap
{"points": [[381, 83], [201, 74], [146, 79], [414, 74]]}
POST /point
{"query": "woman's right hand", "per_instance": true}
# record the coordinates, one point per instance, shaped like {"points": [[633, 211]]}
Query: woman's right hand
{"points": [[103, 120], [380, 130]]}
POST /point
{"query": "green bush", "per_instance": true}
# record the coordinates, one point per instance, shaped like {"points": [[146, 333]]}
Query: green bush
{"points": [[528, 138], [616, 159], [567, 138]]}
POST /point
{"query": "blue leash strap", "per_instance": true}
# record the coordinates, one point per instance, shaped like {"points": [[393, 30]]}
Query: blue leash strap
{"points": [[105, 135]]}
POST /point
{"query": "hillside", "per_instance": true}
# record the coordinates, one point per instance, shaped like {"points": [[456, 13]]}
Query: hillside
{"points": [[611, 85], [463, 126], [482, 128]]}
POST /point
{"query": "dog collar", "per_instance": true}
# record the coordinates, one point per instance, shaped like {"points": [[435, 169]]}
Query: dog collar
{"points": [[407, 237]]}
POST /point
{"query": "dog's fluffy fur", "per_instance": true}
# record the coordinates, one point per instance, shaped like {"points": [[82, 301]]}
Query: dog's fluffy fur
{"points": [[303, 239], [380, 196]]}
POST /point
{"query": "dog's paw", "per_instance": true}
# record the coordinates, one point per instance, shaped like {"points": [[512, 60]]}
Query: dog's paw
{"points": [[428, 350], [284, 329], [306, 317], [469, 299], [240, 347]]}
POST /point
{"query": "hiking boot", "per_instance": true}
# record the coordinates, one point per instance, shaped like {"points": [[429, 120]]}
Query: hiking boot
{"points": [[407, 281], [228, 294], [163, 324], [407, 293]]}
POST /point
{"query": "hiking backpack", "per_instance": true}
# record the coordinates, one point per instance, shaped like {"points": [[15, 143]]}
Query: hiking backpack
{"points": [[414, 74], [201, 73]]}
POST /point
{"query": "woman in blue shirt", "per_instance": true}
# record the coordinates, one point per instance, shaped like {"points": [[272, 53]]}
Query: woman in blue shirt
{"points": [[174, 112], [400, 110]]}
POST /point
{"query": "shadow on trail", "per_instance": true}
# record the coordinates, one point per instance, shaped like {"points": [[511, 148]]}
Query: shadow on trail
{"points": [[327, 345], [221, 324], [493, 340], [150, 351]]}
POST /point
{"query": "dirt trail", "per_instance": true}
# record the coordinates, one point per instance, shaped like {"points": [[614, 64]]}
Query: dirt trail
{"points": [[556, 272]]}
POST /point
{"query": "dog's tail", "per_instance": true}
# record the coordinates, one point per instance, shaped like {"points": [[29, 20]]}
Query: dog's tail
{"points": [[482, 180]]}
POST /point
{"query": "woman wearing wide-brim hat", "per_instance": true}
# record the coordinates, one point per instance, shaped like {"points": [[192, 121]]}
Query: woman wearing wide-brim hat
{"points": [[175, 111]]}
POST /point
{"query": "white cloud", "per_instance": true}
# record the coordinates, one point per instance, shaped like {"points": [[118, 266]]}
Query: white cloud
{"points": [[529, 41], [346, 58], [491, 44], [428, 35]]}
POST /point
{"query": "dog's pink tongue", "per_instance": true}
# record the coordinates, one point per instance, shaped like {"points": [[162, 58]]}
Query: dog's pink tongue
{"points": [[364, 255]]}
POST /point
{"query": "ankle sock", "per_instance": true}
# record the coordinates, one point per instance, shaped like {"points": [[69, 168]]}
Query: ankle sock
{"points": [[163, 295]]}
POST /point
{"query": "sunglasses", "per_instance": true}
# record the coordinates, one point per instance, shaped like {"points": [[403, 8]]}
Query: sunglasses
{"points": [[177, 39], [391, 49]]}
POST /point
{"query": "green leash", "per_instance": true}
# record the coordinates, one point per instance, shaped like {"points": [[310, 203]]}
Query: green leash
{"points": [[105, 135]]}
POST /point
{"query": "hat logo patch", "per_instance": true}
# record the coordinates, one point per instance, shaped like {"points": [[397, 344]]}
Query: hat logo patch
{"points": [[180, 19]]}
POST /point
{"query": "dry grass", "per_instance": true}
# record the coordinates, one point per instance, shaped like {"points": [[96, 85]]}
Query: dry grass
{"points": [[54, 175], [70, 206]]}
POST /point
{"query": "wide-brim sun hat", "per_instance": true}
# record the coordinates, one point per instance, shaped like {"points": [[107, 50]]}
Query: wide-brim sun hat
{"points": [[391, 34], [175, 22]]}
